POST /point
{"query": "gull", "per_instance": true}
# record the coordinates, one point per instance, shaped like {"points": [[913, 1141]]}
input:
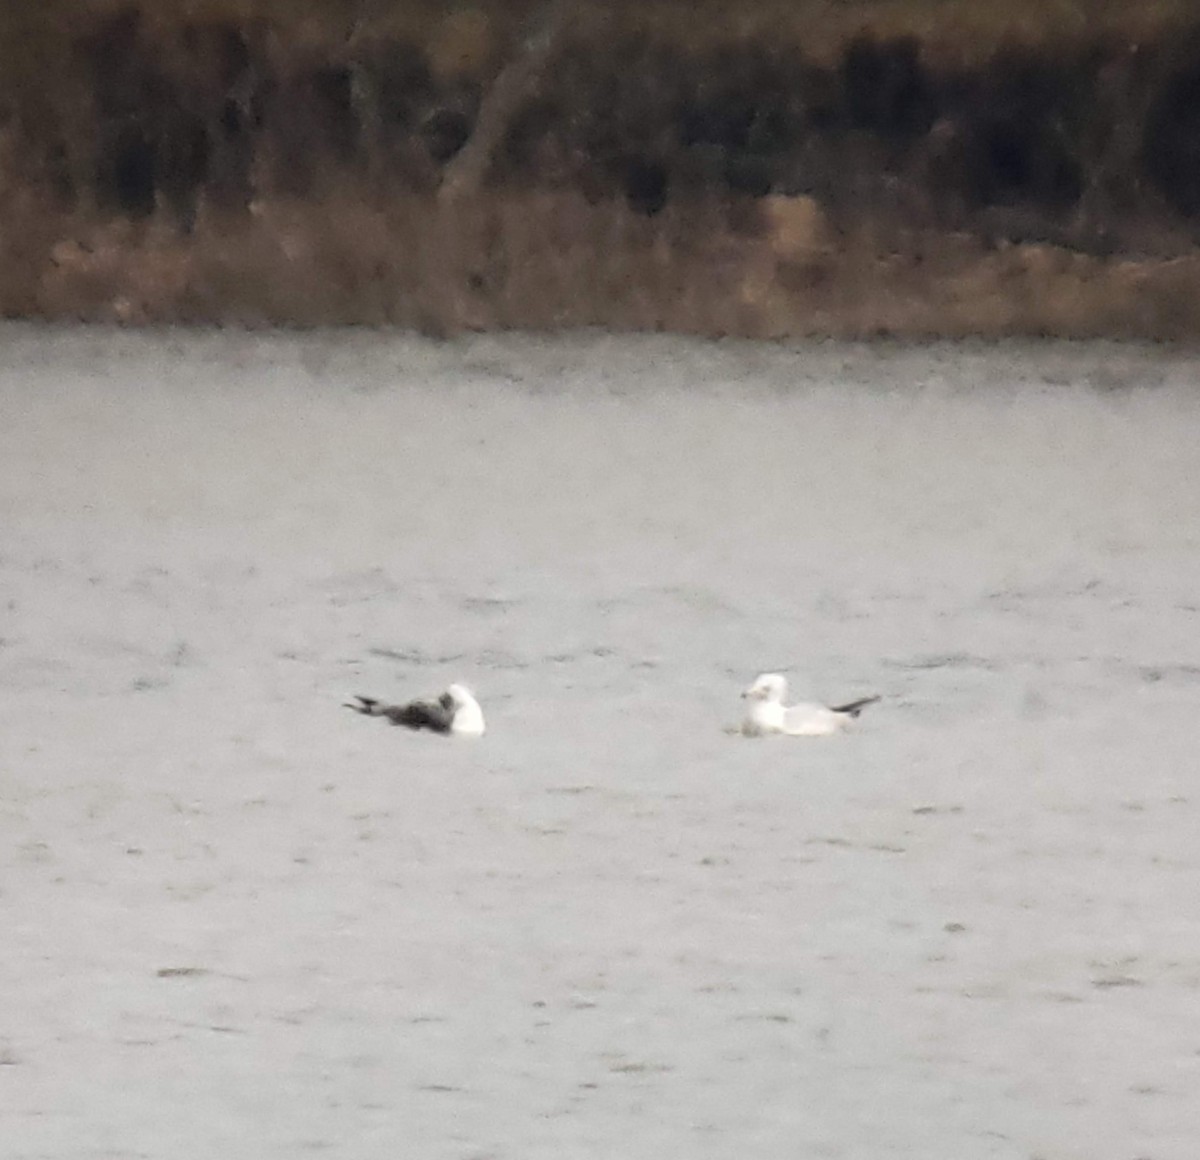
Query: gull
{"points": [[455, 711], [768, 714]]}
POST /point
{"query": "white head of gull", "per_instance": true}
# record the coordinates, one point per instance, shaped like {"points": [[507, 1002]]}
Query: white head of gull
{"points": [[456, 711], [767, 712]]}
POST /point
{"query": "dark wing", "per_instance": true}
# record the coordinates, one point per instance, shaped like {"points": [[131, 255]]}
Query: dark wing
{"points": [[421, 715], [435, 715], [854, 707]]}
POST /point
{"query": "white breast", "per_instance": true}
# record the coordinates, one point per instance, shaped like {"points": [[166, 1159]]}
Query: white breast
{"points": [[468, 720], [764, 717]]}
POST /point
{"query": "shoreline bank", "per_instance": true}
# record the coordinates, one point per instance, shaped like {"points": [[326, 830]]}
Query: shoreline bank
{"points": [[864, 170]]}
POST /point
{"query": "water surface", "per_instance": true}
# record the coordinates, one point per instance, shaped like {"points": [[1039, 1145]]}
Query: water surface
{"points": [[242, 922]]}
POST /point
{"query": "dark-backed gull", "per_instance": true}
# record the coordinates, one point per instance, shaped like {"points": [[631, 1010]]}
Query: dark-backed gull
{"points": [[768, 714], [455, 711]]}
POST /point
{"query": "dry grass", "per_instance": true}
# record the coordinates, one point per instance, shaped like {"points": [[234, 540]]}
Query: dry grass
{"points": [[550, 260]]}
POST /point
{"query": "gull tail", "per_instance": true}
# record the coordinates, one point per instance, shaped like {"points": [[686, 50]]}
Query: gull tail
{"points": [[368, 705], [853, 708]]}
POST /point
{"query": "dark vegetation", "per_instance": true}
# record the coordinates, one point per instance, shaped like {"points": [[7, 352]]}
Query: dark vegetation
{"points": [[846, 167]]}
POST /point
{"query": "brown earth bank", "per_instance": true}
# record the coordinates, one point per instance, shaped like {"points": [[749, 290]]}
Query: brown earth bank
{"points": [[913, 167]]}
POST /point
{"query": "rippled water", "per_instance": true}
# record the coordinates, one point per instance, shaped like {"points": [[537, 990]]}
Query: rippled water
{"points": [[241, 922]]}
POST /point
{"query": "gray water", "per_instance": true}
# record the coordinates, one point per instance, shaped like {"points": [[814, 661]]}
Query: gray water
{"points": [[242, 922]]}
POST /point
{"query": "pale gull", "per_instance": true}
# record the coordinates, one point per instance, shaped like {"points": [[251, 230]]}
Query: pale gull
{"points": [[768, 714]]}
